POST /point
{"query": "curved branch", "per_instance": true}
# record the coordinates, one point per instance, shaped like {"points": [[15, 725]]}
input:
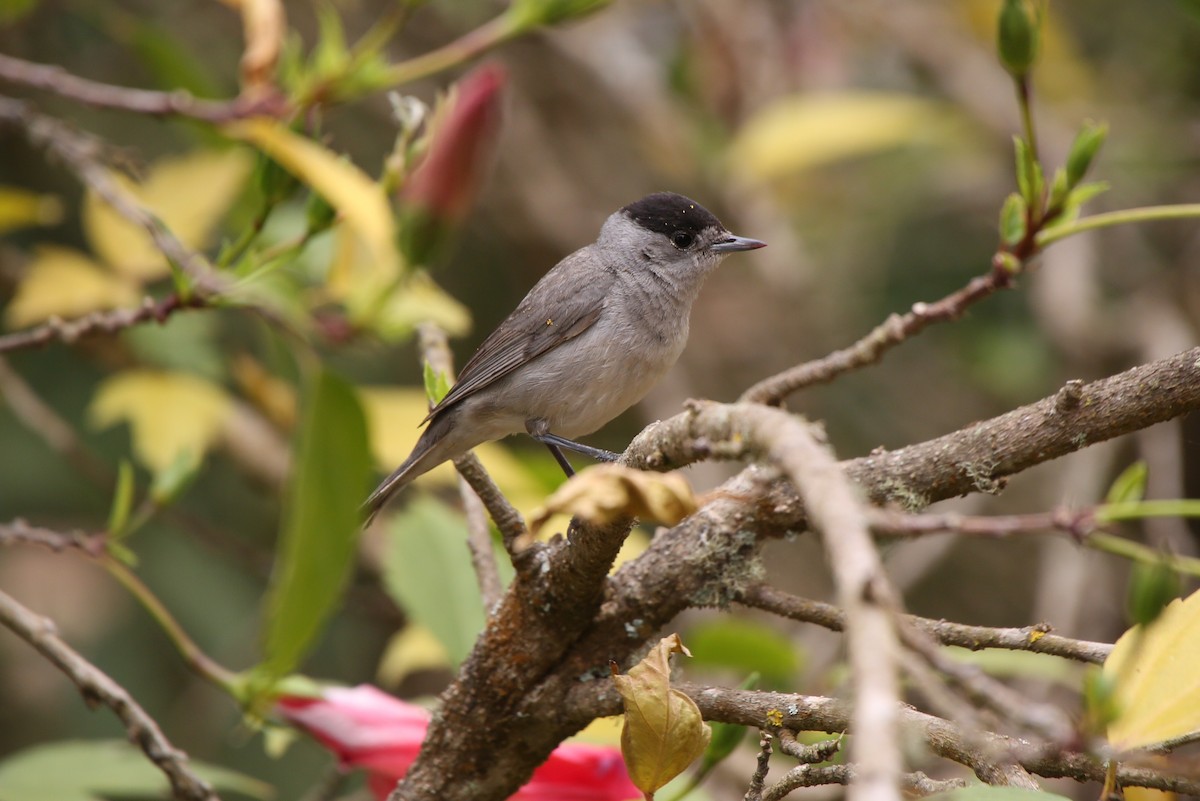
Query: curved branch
{"points": [[995, 758], [81, 153], [1037, 638], [885, 336], [551, 631], [57, 80], [95, 685], [109, 322]]}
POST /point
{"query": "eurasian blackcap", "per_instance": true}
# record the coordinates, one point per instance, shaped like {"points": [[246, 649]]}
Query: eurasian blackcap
{"points": [[588, 341]]}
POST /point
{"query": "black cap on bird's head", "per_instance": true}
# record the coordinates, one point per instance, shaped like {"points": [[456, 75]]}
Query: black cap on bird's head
{"points": [[683, 220]]}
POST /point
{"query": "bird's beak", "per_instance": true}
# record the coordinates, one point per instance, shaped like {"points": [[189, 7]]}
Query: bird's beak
{"points": [[736, 243]]}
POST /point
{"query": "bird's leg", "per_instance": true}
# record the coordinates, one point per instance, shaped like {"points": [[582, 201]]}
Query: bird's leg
{"points": [[599, 454], [561, 458], [537, 429]]}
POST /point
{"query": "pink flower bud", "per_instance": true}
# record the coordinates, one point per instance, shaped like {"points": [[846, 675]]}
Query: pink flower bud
{"points": [[440, 192]]}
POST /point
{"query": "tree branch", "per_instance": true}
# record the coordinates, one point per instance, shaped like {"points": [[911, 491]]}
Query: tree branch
{"points": [[50, 78], [1037, 639], [81, 153], [551, 631], [870, 349], [21, 532], [110, 322], [96, 686], [980, 751]]}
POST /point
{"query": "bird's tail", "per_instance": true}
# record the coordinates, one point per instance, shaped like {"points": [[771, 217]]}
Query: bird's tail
{"points": [[431, 449]]}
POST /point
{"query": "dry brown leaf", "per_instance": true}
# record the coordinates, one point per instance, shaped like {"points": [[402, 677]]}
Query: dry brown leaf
{"points": [[663, 731], [606, 492]]}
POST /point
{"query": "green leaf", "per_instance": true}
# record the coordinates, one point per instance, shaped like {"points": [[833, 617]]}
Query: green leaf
{"points": [[172, 480], [526, 14], [1099, 700], [1016, 38], [1059, 189], [1012, 219], [1083, 150], [118, 515], [1130, 486], [427, 569], [745, 646], [321, 520], [987, 792], [436, 384], [1081, 195], [1028, 172], [1151, 588], [330, 55], [88, 770]]}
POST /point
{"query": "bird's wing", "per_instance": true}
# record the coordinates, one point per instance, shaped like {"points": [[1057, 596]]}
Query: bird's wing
{"points": [[554, 311]]}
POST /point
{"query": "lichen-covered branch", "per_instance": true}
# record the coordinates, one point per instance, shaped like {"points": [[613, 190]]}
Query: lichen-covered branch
{"points": [[560, 624]]}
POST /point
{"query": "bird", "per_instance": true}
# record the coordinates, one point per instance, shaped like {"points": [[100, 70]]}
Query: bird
{"points": [[587, 342]]}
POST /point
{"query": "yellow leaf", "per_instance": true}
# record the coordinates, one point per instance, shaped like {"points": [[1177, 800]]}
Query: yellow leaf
{"points": [[663, 731], [188, 193], [273, 396], [393, 416], [62, 282], [801, 132], [264, 27], [1147, 793], [413, 648], [359, 200], [20, 208], [606, 492], [420, 300], [1157, 684], [171, 415]]}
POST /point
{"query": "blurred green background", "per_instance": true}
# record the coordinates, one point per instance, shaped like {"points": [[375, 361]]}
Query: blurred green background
{"points": [[868, 143]]}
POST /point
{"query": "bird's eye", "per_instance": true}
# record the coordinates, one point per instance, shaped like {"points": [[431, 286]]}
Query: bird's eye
{"points": [[682, 239]]}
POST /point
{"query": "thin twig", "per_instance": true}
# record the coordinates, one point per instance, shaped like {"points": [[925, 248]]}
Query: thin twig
{"points": [[96, 686], [21, 532], [106, 322], [82, 154], [507, 518], [479, 542], [836, 513], [980, 751], [914, 784], [57, 80], [37, 415], [758, 779], [474, 480], [891, 523], [870, 349], [1047, 722], [1029, 638]]}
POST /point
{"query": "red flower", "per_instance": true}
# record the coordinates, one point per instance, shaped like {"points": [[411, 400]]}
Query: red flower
{"points": [[369, 729]]}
